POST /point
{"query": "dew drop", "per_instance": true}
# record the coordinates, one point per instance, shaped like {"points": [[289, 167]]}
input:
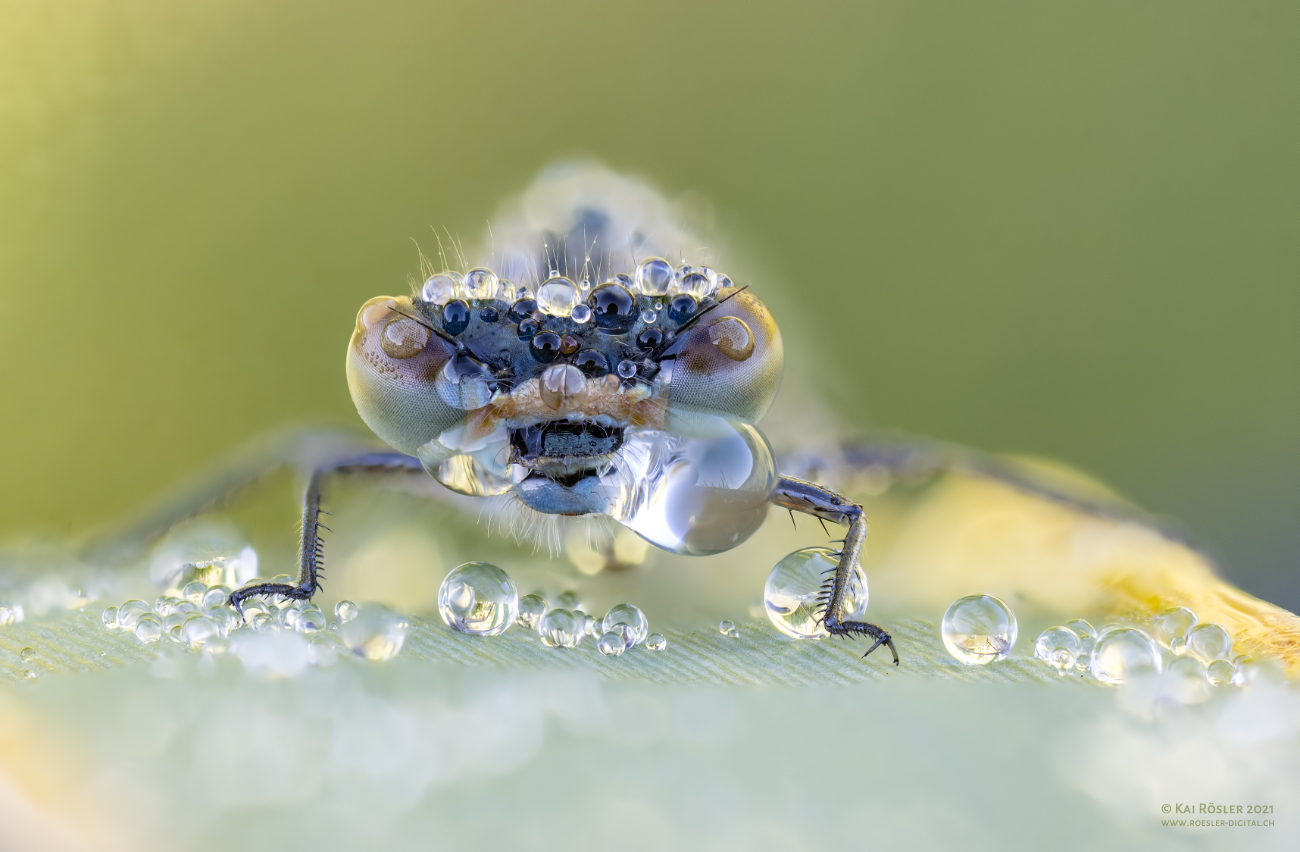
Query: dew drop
{"points": [[1220, 672], [506, 290], [531, 609], [1186, 681], [626, 369], [560, 628], [727, 628], [345, 611], [197, 631], [1083, 663], [148, 629], [979, 629], [129, 613], [1124, 653], [215, 596], [311, 621], [557, 296], [442, 288], [1058, 647], [480, 283], [263, 622], [1087, 635], [193, 592], [611, 645], [569, 599], [580, 314], [627, 621], [479, 598], [1209, 642], [27, 655], [653, 275], [1173, 625], [110, 618], [377, 633], [655, 642], [649, 315], [590, 625], [791, 594], [732, 337]]}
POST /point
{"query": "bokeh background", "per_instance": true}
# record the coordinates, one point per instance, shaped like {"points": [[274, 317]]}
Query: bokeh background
{"points": [[1062, 229]]}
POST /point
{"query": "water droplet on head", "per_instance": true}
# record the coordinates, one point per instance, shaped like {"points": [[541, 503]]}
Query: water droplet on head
{"points": [[655, 642], [727, 628], [1172, 625], [378, 633], [563, 386], [732, 337], [627, 621], [653, 275], [442, 288], [649, 339], [403, 338], [557, 296], [560, 628], [522, 310], [110, 618], [455, 317], [700, 283], [478, 598], [792, 593], [1185, 680], [626, 369], [544, 346], [1209, 642], [978, 629], [611, 645], [480, 283], [592, 363], [613, 308], [531, 609], [345, 611], [1124, 653], [1058, 647], [682, 308], [649, 315], [580, 314]]}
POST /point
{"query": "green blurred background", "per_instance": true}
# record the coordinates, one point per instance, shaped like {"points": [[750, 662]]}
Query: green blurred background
{"points": [[1067, 229]]}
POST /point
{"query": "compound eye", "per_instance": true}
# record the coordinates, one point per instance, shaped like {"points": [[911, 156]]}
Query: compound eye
{"points": [[729, 361], [592, 363], [613, 308]]}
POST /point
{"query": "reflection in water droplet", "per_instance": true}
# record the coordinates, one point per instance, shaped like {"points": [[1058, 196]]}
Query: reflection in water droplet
{"points": [[727, 628], [791, 596], [655, 642], [1057, 646], [531, 608], [442, 288], [557, 296], [479, 598], [172, 624], [480, 283], [732, 337], [311, 621], [979, 629], [627, 621], [691, 495], [129, 613], [611, 645], [1173, 625], [653, 275], [580, 314], [1209, 642], [148, 628], [377, 633], [1124, 653], [1220, 672], [1086, 633], [345, 611], [110, 618], [560, 628]]}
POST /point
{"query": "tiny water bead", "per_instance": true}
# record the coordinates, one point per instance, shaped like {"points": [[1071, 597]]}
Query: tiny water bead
{"points": [[791, 595], [377, 633], [979, 629], [1086, 633], [557, 296], [1083, 663], [215, 596], [1058, 647], [479, 598], [345, 611], [653, 276], [27, 655], [1173, 625], [480, 283], [129, 613], [1220, 672], [655, 642], [728, 629], [580, 314], [627, 621], [626, 369], [1209, 642], [311, 621], [569, 599], [1186, 680], [611, 645], [110, 618], [649, 315], [148, 628], [531, 609], [560, 628], [590, 625], [194, 592], [1124, 653], [441, 289]]}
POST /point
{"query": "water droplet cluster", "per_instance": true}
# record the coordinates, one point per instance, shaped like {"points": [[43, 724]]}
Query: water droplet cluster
{"points": [[1189, 657]]}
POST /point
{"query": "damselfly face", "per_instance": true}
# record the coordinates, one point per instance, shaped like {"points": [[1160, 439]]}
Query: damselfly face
{"points": [[635, 397]]}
